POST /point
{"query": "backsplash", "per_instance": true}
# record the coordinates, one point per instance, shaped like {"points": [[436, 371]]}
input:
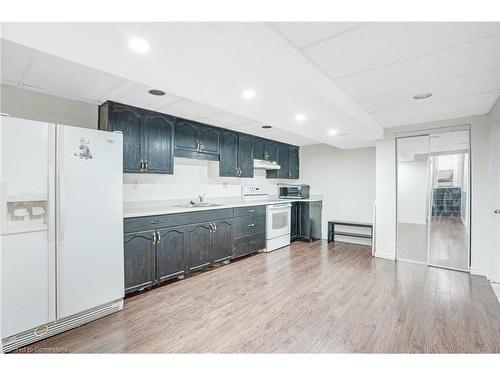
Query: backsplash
{"points": [[190, 179]]}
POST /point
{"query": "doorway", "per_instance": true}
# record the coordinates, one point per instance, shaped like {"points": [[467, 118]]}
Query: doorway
{"points": [[433, 198]]}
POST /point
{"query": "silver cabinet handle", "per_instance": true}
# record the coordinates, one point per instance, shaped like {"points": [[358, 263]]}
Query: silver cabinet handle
{"points": [[141, 165], [251, 210], [154, 238], [155, 222], [211, 227], [497, 211], [251, 225], [215, 227], [201, 146], [145, 165], [198, 146], [158, 237]]}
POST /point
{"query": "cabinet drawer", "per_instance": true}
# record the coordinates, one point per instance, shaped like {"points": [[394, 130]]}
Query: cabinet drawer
{"points": [[139, 224], [251, 210], [246, 225], [249, 244]]}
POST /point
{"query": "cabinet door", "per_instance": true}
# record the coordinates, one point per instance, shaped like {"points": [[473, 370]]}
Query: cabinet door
{"points": [[258, 148], [293, 165], [228, 153], [294, 222], [158, 134], [223, 240], [170, 253], [199, 246], [209, 138], [283, 172], [186, 135], [270, 150], [129, 121], [139, 260], [245, 155]]}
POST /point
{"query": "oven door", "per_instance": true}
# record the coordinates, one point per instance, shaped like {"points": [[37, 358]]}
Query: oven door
{"points": [[278, 220]]}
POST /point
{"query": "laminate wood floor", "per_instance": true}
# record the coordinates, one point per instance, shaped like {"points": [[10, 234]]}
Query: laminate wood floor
{"points": [[303, 298]]}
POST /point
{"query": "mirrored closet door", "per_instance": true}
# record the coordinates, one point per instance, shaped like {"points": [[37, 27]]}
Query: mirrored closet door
{"points": [[433, 199]]}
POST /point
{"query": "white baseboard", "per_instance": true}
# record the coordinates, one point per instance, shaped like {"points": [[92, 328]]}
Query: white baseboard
{"points": [[412, 261], [478, 271], [379, 254]]}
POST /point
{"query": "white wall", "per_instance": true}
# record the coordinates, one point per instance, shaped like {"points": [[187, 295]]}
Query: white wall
{"points": [[345, 178], [386, 189], [37, 106], [190, 179]]}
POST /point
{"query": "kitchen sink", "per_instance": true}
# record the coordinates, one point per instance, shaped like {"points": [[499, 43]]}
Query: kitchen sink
{"points": [[195, 205]]}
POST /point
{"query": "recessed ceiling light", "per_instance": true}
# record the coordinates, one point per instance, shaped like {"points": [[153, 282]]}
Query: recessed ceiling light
{"points": [[423, 95], [332, 132], [300, 117], [157, 92], [138, 45], [248, 94], [266, 126]]}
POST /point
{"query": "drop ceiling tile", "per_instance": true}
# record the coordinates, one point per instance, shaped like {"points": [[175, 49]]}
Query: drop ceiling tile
{"points": [[382, 43], [225, 120], [305, 33], [136, 94], [442, 90], [431, 111], [15, 59], [249, 127], [189, 109], [459, 61], [62, 77]]}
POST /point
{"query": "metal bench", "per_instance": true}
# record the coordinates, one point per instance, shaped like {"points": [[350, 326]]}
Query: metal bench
{"points": [[332, 232]]}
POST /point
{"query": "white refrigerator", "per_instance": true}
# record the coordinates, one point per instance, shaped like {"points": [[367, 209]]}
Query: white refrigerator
{"points": [[61, 228]]}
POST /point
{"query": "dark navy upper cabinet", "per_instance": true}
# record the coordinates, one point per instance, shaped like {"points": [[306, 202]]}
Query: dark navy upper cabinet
{"points": [[196, 141], [236, 154], [245, 155], [293, 162], [258, 148], [158, 139], [283, 160], [270, 150], [186, 136], [228, 165], [147, 137], [128, 120]]}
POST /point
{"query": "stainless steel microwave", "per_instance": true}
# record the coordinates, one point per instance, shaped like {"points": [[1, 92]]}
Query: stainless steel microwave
{"points": [[294, 191]]}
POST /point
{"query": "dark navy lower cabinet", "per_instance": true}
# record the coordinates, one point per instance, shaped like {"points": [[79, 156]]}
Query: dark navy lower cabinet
{"points": [[222, 240], [199, 246], [170, 254], [139, 253], [162, 247]]}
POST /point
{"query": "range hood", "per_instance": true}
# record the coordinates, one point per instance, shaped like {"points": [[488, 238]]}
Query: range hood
{"points": [[265, 164]]}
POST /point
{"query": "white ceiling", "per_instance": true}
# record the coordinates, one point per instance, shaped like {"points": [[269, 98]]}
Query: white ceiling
{"points": [[27, 68], [354, 77]]}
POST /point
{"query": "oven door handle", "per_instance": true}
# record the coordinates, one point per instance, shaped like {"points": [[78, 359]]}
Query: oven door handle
{"points": [[280, 206]]}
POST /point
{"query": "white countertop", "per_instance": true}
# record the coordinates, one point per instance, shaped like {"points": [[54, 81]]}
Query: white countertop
{"points": [[163, 207]]}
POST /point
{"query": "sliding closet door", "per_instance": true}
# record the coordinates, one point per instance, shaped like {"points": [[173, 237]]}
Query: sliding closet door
{"points": [[412, 198], [449, 200]]}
